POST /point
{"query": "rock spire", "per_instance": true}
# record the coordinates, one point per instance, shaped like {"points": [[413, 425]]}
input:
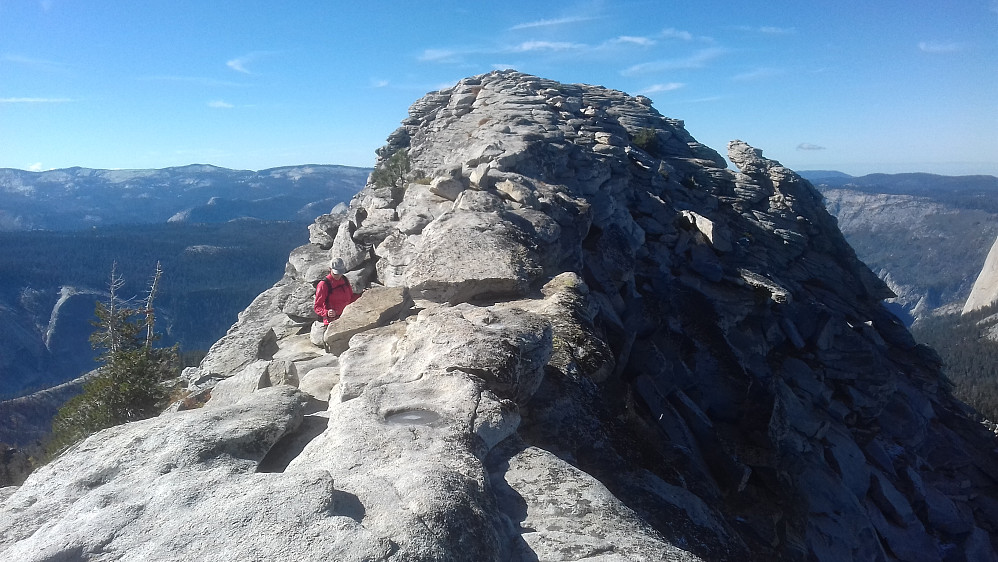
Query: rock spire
{"points": [[586, 339]]}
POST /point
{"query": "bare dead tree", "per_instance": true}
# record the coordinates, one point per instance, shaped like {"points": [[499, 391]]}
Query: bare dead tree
{"points": [[150, 312]]}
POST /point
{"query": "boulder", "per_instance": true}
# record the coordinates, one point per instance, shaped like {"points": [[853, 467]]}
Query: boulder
{"points": [[464, 255], [346, 248], [323, 231], [300, 304], [419, 206], [257, 375], [448, 188], [376, 307]]}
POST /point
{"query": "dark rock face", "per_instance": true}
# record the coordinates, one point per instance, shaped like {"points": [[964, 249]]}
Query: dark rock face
{"points": [[615, 349]]}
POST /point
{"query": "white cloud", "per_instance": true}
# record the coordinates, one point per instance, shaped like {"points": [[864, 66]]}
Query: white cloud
{"points": [[773, 30], [643, 41], [671, 33], [768, 29], [35, 100], [36, 167], [239, 64], [504, 66], [528, 46], [659, 88], [708, 99], [938, 47], [219, 104], [379, 83], [696, 60], [552, 22], [809, 146]]}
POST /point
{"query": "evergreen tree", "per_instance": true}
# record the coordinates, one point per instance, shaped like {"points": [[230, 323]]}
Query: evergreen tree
{"points": [[131, 384], [391, 172]]}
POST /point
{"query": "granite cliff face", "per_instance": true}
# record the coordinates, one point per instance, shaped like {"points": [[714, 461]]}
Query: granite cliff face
{"points": [[584, 339], [985, 291]]}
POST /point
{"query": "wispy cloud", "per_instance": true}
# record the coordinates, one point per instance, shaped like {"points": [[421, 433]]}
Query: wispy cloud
{"points": [[696, 60], [659, 88], [939, 47], [758, 74], [36, 167], [241, 64], [533, 47], [553, 22], [529, 46], [809, 146], [35, 100], [767, 29], [671, 33], [219, 104], [379, 83], [632, 40], [773, 30]]}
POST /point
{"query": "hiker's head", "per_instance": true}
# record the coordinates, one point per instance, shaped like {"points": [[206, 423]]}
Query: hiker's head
{"points": [[336, 267]]}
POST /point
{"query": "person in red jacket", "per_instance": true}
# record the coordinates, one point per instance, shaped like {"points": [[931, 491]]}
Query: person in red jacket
{"points": [[333, 293]]}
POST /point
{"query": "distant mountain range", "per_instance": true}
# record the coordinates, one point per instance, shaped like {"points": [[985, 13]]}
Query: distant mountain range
{"points": [[926, 235], [76, 198]]}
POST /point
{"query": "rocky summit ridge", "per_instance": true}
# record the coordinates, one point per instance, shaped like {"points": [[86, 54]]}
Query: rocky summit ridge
{"points": [[584, 338]]}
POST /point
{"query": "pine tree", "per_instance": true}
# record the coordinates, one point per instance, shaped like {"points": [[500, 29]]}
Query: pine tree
{"points": [[131, 384], [391, 171]]}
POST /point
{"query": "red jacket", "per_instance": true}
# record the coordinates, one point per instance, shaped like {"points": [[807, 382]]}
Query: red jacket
{"points": [[332, 296]]}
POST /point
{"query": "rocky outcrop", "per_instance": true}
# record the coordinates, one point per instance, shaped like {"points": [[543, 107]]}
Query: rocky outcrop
{"points": [[595, 342], [985, 291]]}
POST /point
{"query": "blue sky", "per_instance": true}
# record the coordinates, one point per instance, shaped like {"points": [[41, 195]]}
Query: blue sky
{"points": [[861, 87]]}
